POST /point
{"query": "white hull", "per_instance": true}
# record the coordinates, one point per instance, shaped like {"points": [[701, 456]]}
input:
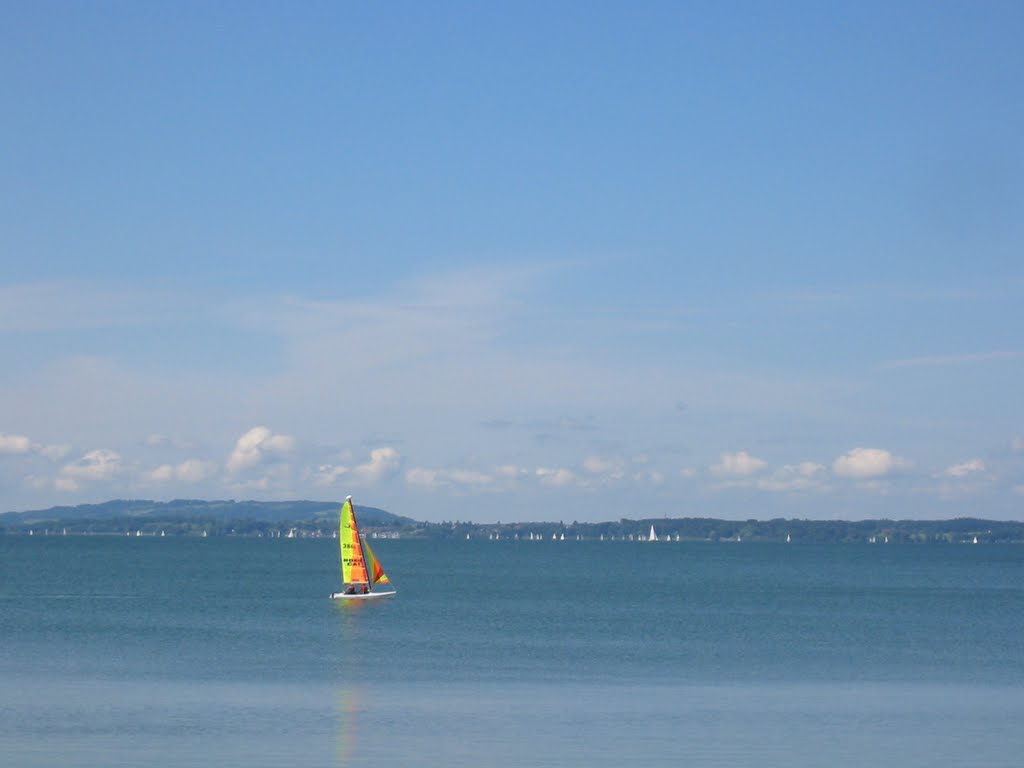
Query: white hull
{"points": [[361, 595]]}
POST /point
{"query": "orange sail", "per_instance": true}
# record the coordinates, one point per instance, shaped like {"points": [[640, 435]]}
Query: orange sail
{"points": [[377, 575]]}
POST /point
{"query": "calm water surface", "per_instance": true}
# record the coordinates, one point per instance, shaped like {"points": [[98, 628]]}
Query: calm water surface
{"points": [[193, 652]]}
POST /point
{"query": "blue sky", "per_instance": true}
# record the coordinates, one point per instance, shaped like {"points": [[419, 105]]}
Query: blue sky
{"points": [[522, 261]]}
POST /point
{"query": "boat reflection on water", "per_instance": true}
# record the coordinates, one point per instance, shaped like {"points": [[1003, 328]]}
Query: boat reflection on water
{"points": [[346, 710], [348, 698]]}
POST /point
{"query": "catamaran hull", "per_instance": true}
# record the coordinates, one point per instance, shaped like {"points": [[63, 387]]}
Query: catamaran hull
{"points": [[358, 596]]}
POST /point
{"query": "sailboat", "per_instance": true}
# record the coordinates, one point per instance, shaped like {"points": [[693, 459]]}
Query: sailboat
{"points": [[652, 536], [360, 568]]}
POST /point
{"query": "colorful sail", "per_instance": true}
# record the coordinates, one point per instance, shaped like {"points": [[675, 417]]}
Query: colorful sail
{"points": [[353, 564], [360, 569], [373, 566]]}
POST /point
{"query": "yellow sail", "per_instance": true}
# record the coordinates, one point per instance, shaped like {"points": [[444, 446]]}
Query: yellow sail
{"points": [[353, 564]]}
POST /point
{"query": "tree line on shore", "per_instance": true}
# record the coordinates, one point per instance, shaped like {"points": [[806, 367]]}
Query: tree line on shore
{"points": [[312, 519]]}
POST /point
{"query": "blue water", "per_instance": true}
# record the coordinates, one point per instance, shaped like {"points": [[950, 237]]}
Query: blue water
{"points": [[195, 652]]}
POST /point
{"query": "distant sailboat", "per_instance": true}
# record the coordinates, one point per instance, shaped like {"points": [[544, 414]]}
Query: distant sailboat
{"points": [[652, 536], [360, 569]]}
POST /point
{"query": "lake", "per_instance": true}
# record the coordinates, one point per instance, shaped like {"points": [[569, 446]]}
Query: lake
{"points": [[193, 652]]}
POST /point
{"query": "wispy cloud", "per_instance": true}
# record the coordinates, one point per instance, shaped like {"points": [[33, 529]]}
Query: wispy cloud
{"points": [[98, 465], [972, 467], [804, 476], [76, 305], [544, 414], [383, 463], [947, 360], [559, 477], [458, 479], [190, 471], [610, 468]]}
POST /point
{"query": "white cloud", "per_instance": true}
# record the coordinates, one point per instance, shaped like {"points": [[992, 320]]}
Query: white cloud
{"points": [[423, 478], [328, 474], [19, 444], [649, 477], [794, 477], [160, 474], [740, 464], [688, 472], [557, 477], [966, 468], [255, 445], [65, 484], [864, 463], [194, 470], [470, 477], [612, 469], [188, 471], [100, 464], [510, 470], [603, 470], [1017, 445], [14, 444], [383, 462]]}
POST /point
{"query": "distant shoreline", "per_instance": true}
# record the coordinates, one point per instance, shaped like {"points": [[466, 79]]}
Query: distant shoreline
{"points": [[310, 519]]}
